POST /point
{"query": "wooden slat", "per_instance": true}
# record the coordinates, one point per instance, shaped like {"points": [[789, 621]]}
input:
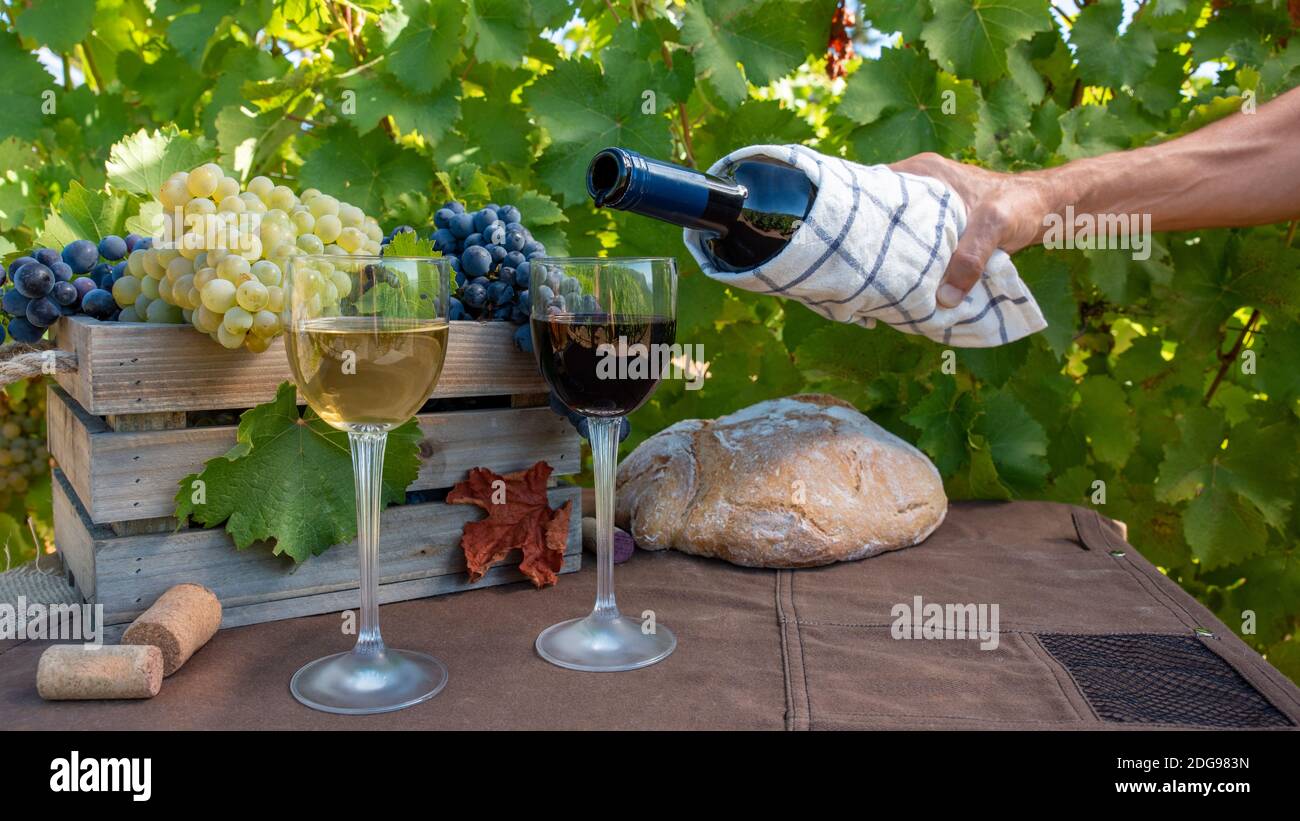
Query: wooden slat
{"points": [[74, 536], [388, 593], [418, 543], [69, 430], [134, 367], [127, 476]]}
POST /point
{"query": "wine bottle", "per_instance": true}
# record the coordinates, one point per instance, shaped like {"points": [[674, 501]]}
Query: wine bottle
{"points": [[746, 217]]}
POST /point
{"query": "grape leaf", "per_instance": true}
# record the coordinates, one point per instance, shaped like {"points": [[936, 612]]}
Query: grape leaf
{"points": [[365, 171], [585, 110], [286, 480], [1106, 57], [1016, 442], [1222, 528], [1276, 365], [1107, 420], [246, 142], [1048, 278], [943, 418], [754, 122], [903, 16], [497, 129], [970, 37], [379, 95], [981, 480], [190, 33], [760, 36], [907, 107], [25, 89], [83, 214], [994, 365], [58, 24], [524, 520], [424, 50], [498, 29], [141, 163]]}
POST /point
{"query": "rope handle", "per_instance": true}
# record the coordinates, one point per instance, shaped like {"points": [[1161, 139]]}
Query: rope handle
{"points": [[22, 361]]}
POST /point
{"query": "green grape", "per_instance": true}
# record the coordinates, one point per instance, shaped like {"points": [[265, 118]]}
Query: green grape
{"points": [[126, 291], [218, 295], [252, 295], [237, 321]]}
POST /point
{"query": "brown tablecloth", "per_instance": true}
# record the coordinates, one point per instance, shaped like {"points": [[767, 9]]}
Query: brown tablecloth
{"points": [[1087, 638]]}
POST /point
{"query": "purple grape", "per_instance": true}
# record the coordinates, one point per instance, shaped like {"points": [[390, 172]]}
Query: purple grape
{"points": [[43, 312], [98, 304], [476, 261], [65, 294], [18, 263], [474, 295], [46, 256], [14, 303], [34, 280], [23, 331], [113, 248], [81, 255]]}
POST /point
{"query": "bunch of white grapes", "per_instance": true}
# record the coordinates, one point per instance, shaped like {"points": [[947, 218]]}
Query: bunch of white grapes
{"points": [[220, 260]]}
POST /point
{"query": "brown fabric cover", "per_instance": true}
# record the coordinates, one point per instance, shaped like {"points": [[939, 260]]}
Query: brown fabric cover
{"points": [[757, 649]]}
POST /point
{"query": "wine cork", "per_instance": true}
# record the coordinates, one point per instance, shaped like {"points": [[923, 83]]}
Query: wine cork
{"points": [[178, 624], [68, 672]]}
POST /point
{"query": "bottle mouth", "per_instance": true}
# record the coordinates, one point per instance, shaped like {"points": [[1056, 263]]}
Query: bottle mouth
{"points": [[608, 176]]}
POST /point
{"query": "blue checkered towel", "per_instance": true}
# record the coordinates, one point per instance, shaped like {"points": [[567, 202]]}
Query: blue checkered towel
{"points": [[874, 248]]}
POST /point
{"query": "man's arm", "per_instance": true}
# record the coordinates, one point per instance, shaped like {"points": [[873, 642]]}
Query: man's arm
{"points": [[1241, 170]]}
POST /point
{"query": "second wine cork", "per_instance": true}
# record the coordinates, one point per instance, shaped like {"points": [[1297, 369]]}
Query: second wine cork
{"points": [[179, 623], [78, 671]]}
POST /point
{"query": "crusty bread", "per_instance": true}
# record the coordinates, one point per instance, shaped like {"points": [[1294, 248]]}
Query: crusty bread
{"points": [[795, 482]]}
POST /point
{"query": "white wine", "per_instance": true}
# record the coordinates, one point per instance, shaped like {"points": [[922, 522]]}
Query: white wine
{"points": [[367, 370]]}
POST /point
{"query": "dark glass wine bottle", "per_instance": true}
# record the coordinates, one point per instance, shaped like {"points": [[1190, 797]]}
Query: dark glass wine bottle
{"points": [[747, 218]]}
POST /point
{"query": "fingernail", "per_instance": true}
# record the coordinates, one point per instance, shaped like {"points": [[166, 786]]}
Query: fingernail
{"points": [[949, 295]]}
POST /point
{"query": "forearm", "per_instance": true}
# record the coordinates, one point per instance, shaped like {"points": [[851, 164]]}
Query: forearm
{"points": [[1241, 170]]}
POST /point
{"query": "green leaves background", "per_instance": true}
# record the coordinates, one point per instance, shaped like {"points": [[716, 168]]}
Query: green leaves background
{"points": [[1138, 384]]}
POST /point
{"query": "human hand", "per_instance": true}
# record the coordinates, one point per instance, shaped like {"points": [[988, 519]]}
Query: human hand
{"points": [[1004, 211]]}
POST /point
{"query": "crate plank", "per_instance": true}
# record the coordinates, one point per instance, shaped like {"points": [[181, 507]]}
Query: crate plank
{"points": [[418, 544], [388, 593], [127, 476], [134, 367]]}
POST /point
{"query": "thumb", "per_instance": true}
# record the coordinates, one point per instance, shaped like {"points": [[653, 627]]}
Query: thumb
{"points": [[969, 259]]}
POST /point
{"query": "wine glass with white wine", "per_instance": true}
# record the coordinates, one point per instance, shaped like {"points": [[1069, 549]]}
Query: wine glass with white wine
{"points": [[367, 337]]}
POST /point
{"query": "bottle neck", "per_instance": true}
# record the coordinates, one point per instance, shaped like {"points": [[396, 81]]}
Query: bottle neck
{"points": [[625, 180]]}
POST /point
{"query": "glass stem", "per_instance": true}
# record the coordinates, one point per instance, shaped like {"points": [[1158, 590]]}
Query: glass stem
{"points": [[367, 446], [604, 457]]}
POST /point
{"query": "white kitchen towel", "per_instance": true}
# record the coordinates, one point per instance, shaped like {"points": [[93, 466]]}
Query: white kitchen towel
{"points": [[874, 248]]}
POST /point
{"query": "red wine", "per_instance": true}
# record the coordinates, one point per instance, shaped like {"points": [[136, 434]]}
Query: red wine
{"points": [[747, 217], [600, 365]]}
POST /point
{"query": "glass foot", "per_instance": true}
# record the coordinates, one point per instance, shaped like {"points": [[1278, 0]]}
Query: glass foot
{"points": [[604, 645], [354, 683]]}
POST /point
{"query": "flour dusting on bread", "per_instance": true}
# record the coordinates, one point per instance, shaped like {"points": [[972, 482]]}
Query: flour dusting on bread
{"points": [[794, 482]]}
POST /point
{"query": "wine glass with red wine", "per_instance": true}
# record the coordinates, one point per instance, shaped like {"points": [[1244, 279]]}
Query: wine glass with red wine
{"points": [[603, 331]]}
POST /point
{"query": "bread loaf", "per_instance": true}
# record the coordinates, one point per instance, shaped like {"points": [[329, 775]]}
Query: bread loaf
{"points": [[795, 482]]}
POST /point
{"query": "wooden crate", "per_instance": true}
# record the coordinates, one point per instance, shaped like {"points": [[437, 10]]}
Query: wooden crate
{"points": [[121, 430], [137, 367]]}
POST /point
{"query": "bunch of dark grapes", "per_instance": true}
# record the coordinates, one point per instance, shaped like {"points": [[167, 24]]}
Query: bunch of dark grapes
{"points": [[46, 284], [493, 255], [23, 457]]}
